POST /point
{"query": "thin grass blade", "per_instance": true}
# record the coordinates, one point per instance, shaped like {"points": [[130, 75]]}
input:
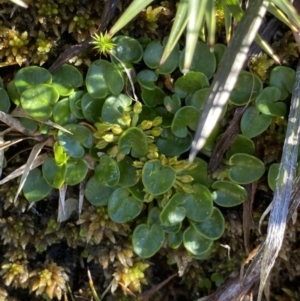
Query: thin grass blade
{"points": [[81, 196], [132, 11], [30, 161], [228, 23], [226, 77], [178, 27], [289, 10], [283, 190], [196, 13], [210, 20], [20, 3], [280, 16], [14, 123], [17, 172], [62, 201], [235, 8], [266, 48], [238, 14], [6, 144], [20, 112]]}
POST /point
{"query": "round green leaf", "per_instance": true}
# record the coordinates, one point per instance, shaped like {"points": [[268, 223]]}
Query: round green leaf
{"points": [[273, 175], [5, 101], [253, 123], [203, 61], [31, 76], [75, 104], [113, 108], [241, 144], [133, 141], [66, 79], [219, 50], [199, 205], [62, 113], [213, 227], [107, 172], [185, 117], [54, 175], [247, 87], [283, 78], [172, 103], [171, 145], [127, 50], [153, 53], [97, 194], [91, 108], [123, 207], [138, 191], [198, 99], [38, 101], [174, 213], [128, 176], [154, 97], [228, 194], [74, 144], [146, 240], [206, 254], [147, 78], [245, 169], [190, 83], [175, 239], [157, 178], [35, 187], [154, 218], [76, 171], [13, 93], [194, 242], [267, 102], [102, 78]]}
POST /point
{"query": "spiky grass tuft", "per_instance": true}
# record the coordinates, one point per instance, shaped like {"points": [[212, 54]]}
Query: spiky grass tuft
{"points": [[102, 43]]}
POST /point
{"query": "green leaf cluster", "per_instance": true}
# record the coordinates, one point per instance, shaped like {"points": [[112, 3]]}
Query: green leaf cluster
{"points": [[132, 153]]}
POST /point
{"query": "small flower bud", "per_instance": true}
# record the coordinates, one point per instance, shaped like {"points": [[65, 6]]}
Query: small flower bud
{"points": [[113, 152], [185, 178], [179, 166], [120, 157], [138, 164], [153, 155], [173, 161], [157, 121], [156, 131], [102, 127], [187, 188], [116, 129], [126, 118], [148, 197], [152, 148], [146, 125], [137, 107], [192, 166], [108, 137], [163, 160], [101, 144]]}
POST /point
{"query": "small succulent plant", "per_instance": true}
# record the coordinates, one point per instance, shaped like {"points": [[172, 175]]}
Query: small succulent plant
{"points": [[123, 147], [136, 146]]}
